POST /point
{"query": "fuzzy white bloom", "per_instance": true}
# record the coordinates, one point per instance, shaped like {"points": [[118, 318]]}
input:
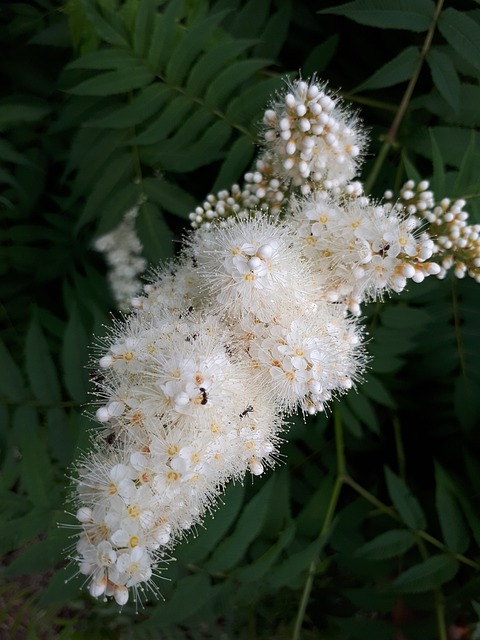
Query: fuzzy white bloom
{"points": [[359, 249], [251, 267], [311, 353], [122, 250]]}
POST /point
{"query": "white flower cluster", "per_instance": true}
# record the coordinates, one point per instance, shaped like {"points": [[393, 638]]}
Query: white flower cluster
{"points": [[122, 250], [195, 387], [254, 321], [456, 243]]}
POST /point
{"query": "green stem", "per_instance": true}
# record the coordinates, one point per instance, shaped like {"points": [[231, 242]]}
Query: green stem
{"points": [[399, 447], [440, 615], [327, 522], [392, 132]]}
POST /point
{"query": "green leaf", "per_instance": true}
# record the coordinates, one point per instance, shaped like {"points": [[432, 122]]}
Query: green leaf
{"points": [[75, 357], [61, 436], [16, 111], [183, 140], [62, 588], [452, 142], [405, 503], [315, 510], [451, 520], [374, 389], [249, 18], [206, 150], [105, 59], [230, 79], [406, 319], [12, 384], [40, 556], [164, 34], [109, 28], [40, 368], [212, 62], [114, 82], [438, 178], [399, 69], [320, 56], [445, 77], [387, 545], [427, 575], [413, 15], [467, 402], [114, 176], [349, 420], [463, 33], [171, 117], [144, 20], [18, 530], [91, 152], [467, 174], [189, 47], [257, 570], [8, 153], [238, 159], [169, 196], [143, 106], [410, 169], [275, 33], [363, 410], [153, 233], [35, 464], [191, 594], [113, 210], [248, 106], [288, 571], [231, 551], [214, 528]]}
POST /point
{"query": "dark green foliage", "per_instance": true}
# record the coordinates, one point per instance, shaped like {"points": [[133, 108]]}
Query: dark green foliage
{"points": [[108, 103]]}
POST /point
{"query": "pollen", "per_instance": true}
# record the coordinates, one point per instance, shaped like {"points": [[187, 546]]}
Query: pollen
{"points": [[133, 542], [134, 511]]}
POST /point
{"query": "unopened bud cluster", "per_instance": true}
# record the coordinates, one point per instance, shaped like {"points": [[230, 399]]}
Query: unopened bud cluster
{"points": [[456, 244], [314, 140], [254, 321], [261, 191]]}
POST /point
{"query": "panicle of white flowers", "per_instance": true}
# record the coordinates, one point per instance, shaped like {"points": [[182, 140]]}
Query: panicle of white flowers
{"points": [[456, 244], [122, 250], [255, 320], [193, 391]]}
